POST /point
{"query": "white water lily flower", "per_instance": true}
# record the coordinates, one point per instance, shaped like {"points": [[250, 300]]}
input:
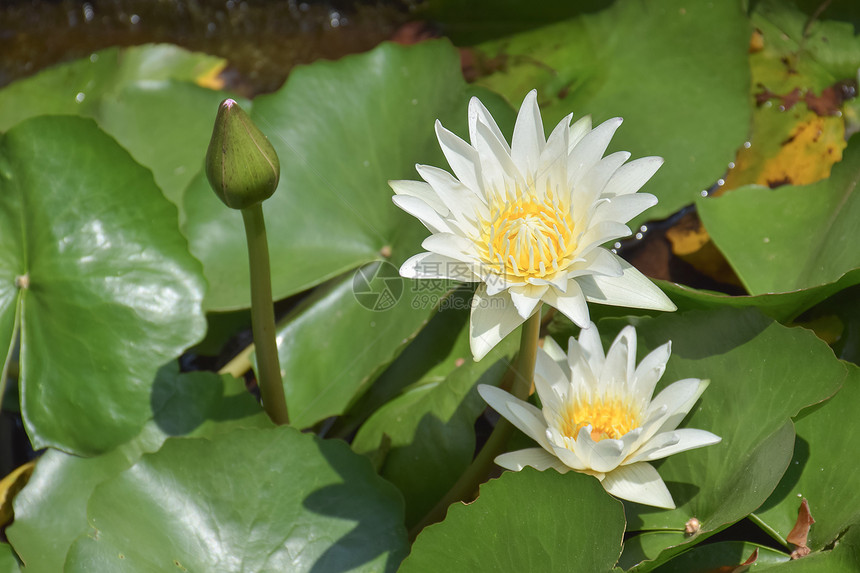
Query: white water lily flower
{"points": [[527, 220], [598, 416]]}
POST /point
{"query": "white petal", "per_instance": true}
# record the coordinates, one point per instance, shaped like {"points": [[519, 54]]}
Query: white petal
{"points": [[462, 158], [568, 458], [589, 151], [595, 180], [479, 115], [600, 233], [452, 246], [631, 177], [591, 347], [463, 204], [639, 483], [527, 418], [578, 130], [601, 456], [526, 298], [669, 443], [620, 360], [551, 382], [571, 303], [597, 261], [553, 350], [632, 289], [422, 191], [497, 167], [433, 266], [649, 372], [528, 140], [623, 208], [423, 212], [493, 318], [678, 397], [555, 152], [537, 458]]}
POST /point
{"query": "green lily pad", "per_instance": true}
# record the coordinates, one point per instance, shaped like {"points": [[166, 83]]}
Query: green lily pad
{"points": [[725, 554], [814, 52], [335, 344], [428, 359], [143, 96], [426, 436], [761, 375], [247, 500], [674, 70], [808, 239], [514, 526], [841, 559], [50, 513], [342, 130], [94, 262], [819, 471], [8, 561]]}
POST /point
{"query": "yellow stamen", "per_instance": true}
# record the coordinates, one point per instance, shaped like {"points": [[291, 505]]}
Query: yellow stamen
{"points": [[609, 417], [528, 236]]}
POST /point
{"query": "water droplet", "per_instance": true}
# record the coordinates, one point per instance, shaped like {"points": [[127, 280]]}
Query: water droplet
{"points": [[613, 251], [372, 324], [766, 240], [134, 19], [643, 228], [334, 19], [94, 58], [617, 245], [703, 193], [639, 236], [721, 182], [366, 163], [414, 102], [731, 164], [89, 13], [747, 144], [80, 97], [210, 27], [768, 104], [781, 108]]}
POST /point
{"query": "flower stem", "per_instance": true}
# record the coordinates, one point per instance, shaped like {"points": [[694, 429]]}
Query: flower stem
{"points": [[263, 316], [477, 472]]}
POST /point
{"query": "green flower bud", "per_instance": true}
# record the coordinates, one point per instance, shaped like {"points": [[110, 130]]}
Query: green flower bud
{"points": [[241, 165]]}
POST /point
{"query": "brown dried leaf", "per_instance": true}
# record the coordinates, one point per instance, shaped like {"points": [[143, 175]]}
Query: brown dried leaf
{"points": [[800, 532]]}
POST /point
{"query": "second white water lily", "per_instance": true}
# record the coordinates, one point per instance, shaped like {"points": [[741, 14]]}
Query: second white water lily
{"points": [[598, 416], [527, 220]]}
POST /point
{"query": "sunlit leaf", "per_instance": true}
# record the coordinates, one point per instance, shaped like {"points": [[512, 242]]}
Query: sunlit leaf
{"points": [[50, 513], [514, 525], [247, 500], [93, 260], [143, 96], [8, 562], [807, 239]]}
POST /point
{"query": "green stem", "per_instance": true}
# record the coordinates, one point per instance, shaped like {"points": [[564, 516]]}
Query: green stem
{"points": [[477, 472], [263, 316]]}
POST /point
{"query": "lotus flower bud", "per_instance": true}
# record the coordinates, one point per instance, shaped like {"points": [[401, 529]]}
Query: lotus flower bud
{"points": [[241, 165]]}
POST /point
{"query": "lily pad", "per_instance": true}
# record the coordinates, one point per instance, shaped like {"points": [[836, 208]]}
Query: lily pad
{"points": [[144, 96], [106, 290], [50, 513], [426, 436], [725, 554], [514, 526], [342, 130], [247, 500], [749, 361], [808, 238], [674, 70], [841, 559], [8, 561], [818, 471]]}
